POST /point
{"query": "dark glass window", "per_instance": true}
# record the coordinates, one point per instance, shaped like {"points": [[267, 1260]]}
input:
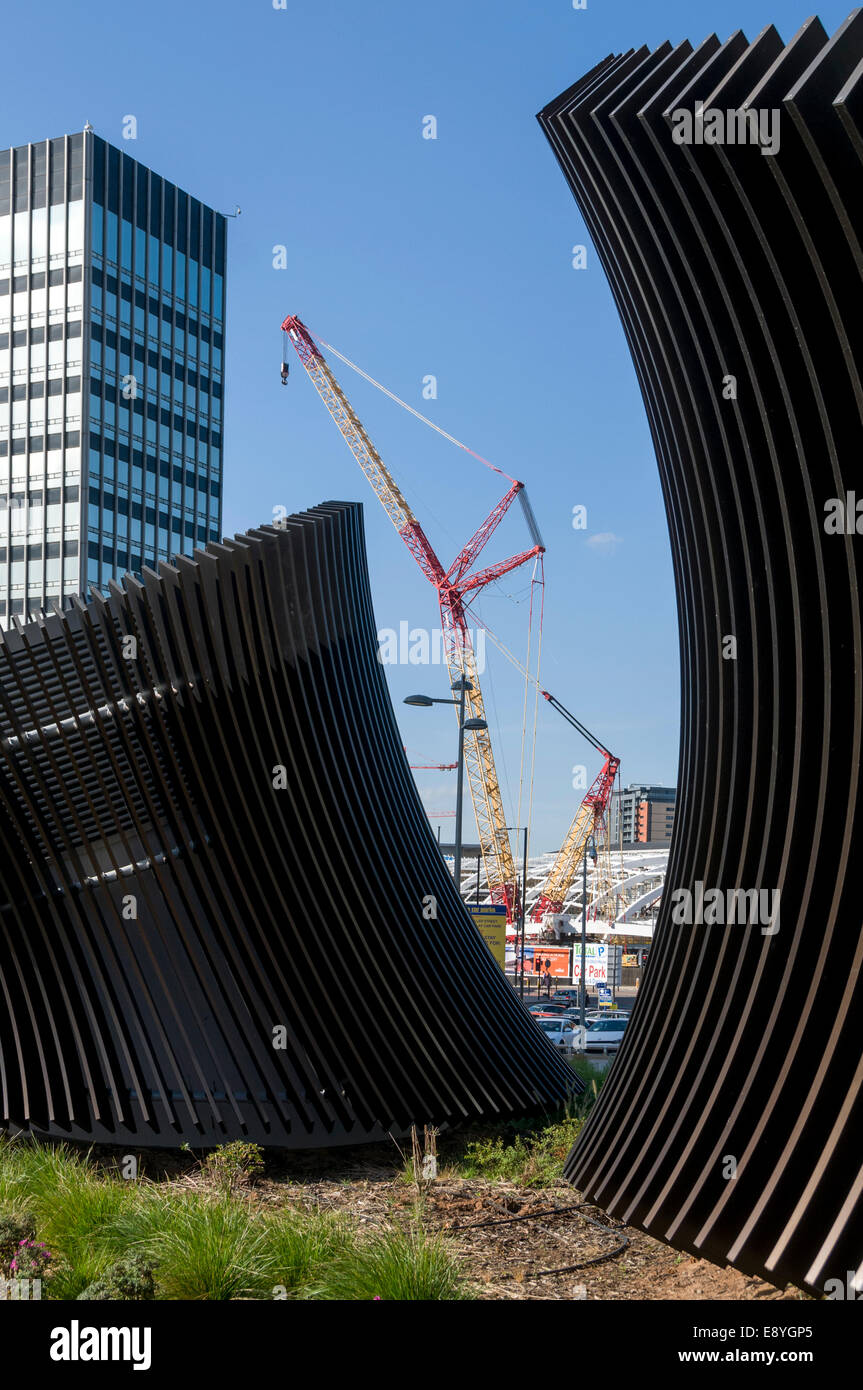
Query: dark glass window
{"points": [[57, 179], [55, 277]]}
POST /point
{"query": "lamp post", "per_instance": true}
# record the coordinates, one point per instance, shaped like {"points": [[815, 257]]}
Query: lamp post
{"points": [[523, 913], [462, 685], [590, 849]]}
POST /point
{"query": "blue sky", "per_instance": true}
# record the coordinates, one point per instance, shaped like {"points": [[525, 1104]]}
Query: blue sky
{"points": [[448, 257]]}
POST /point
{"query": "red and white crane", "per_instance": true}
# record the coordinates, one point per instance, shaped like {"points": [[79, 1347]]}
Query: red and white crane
{"points": [[455, 587]]}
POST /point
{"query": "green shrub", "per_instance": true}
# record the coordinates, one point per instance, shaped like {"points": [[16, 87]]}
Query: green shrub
{"points": [[533, 1160], [128, 1279], [233, 1166], [14, 1228]]}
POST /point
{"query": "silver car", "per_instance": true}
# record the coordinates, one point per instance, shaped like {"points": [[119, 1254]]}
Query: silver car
{"points": [[606, 1034], [562, 1032]]}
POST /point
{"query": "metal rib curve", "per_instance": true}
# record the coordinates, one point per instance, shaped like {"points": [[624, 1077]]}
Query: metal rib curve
{"points": [[726, 262], [164, 907]]}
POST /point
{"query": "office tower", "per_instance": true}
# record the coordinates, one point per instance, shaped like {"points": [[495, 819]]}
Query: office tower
{"points": [[112, 295]]}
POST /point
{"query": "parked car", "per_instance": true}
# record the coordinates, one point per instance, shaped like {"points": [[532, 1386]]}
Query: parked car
{"points": [[562, 1032], [606, 1034]]}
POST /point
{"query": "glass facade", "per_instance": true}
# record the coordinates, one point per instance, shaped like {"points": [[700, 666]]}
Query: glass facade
{"points": [[112, 295]]}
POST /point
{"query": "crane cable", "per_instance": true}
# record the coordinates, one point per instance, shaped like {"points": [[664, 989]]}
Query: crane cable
{"points": [[535, 705], [537, 563], [504, 649], [524, 706], [426, 421]]}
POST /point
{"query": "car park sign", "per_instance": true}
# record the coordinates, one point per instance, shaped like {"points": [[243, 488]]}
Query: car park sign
{"points": [[595, 962]]}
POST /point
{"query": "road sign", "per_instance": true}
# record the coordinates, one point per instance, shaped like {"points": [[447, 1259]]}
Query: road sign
{"points": [[491, 920]]}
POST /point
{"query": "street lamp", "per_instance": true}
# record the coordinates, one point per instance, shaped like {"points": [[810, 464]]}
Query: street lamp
{"points": [[462, 686], [590, 849], [523, 902]]}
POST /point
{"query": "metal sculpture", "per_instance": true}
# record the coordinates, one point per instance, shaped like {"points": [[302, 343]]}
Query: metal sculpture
{"points": [[721, 187], [222, 911]]}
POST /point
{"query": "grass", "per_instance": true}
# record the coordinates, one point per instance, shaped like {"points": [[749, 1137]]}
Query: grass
{"points": [[73, 1208], [206, 1237], [592, 1076], [210, 1243], [395, 1265]]}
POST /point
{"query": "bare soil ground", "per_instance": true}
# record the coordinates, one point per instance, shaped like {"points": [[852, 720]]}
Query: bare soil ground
{"points": [[515, 1242], [531, 1244]]}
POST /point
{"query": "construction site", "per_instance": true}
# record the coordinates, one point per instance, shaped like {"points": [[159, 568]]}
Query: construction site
{"points": [[590, 885]]}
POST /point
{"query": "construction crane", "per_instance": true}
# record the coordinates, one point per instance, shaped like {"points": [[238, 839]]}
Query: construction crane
{"points": [[588, 820], [455, 589], [431, 767]]}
